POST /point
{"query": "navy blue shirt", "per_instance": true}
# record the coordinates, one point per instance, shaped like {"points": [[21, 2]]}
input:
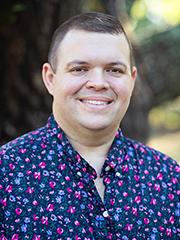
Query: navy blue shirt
{"points": [[47, 190]]}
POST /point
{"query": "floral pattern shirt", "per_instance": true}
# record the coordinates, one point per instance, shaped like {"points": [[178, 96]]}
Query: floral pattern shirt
{"points": [[47, 191]]}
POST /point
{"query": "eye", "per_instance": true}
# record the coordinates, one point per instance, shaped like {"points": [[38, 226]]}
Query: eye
{"points": [[78, 70], [115, 71]]}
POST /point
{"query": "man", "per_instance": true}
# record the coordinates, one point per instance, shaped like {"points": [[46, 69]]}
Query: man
{"points": [[78, 177]]}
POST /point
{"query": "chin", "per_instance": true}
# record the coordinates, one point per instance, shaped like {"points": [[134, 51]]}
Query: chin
{"points": [[96, 127]]}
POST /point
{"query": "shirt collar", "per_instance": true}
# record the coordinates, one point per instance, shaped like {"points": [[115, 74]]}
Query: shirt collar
{"points": [[79, 166], [117, 158]]}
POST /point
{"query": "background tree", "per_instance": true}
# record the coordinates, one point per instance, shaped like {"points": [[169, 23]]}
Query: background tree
{"points": [[25, 31]]}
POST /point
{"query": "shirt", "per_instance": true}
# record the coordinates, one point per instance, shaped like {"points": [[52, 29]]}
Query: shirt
{"points": [[47, 190]]}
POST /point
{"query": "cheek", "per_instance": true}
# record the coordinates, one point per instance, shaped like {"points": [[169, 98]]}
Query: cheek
{"points": [[70, 86], [123, 89]]}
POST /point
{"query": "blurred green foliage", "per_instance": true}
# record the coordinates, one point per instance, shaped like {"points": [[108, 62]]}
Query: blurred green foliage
{"points": [[166, 116], [154, 16]]}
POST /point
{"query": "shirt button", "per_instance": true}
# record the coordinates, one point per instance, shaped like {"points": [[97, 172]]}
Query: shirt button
{"points": [[107, 168], [118, 174], [79, 174], [105, 214]]}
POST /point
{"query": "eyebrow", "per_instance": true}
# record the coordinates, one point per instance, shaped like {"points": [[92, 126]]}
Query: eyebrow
{"points": [[117, 63], [78, 62]]}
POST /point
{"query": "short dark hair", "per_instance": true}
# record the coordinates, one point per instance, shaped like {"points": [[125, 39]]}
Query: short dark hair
{"points": [[91, 22]]}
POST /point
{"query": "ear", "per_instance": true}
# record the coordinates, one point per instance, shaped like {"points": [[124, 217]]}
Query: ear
{"points": [[134, 73], [48, 77]]}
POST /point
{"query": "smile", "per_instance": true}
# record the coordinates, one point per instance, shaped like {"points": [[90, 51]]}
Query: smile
{"points": [[95, 102]]}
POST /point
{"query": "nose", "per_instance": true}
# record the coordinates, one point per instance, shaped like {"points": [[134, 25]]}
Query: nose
{"points": [[97, 81]]}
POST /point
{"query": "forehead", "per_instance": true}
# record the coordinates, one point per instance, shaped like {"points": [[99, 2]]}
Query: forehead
{"points": [[84, 44]]}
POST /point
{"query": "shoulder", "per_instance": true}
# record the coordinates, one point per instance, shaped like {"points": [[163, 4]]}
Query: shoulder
{"points": [[152, 160], [23, 144]]}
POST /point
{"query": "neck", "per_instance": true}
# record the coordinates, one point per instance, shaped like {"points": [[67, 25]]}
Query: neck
{"points": [[95, 155], [92, 145]]}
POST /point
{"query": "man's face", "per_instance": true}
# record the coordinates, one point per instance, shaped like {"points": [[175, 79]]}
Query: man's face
{"points": [[93, 81]]}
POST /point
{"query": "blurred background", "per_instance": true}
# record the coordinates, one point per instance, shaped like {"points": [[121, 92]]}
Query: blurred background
{"points": [[153, 27]]}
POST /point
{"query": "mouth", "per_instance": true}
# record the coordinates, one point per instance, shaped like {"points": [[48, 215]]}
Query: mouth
{"points": [[95, 102]]}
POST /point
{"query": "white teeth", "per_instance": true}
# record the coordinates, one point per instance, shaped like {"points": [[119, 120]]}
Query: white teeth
{"points": [[95, 102]]}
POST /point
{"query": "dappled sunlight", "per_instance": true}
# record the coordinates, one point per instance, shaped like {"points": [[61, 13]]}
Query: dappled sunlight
{"points": [[159, 12], [168, 143]]}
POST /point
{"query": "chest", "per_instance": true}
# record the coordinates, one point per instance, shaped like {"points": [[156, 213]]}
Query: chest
{"points": [[100, 187], [61, 206]]}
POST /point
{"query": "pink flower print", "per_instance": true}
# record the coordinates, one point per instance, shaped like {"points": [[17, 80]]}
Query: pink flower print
{"points": [[30, 190], [9, 189], [1, 187], [28, 172], [18, 211], [78, 158], [134, 211], [146, 172], [159, 176], [77, 238], [71, 209], [52, 184], [77, 223], [15, 237], [126, 207], [91, 230], [153, 201], [27, 160], [137, 199], [42, 165], [107, 180], [171, 219], [125, 194], [159, 214], [50, 207], [80, 184], [43, 145], [157, 187], [69, 190], [136, 177], [129, 227], [77, 194], [112, 201], [125, 168], [141, 161], [177, 169], [36, 237], [171, 196], [37, 175], [149, 184], [90, 206], [4, 202], [142, 150], [59, 136], [120, 183], [156, 157], [35, 203], [11, 166], [62, 166], [146, 220], [22, 150], [174, 180], [168, 232], [35, 217], [59, 231], [161, 228], [67, 178], [2, 237], [44, 220]]}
